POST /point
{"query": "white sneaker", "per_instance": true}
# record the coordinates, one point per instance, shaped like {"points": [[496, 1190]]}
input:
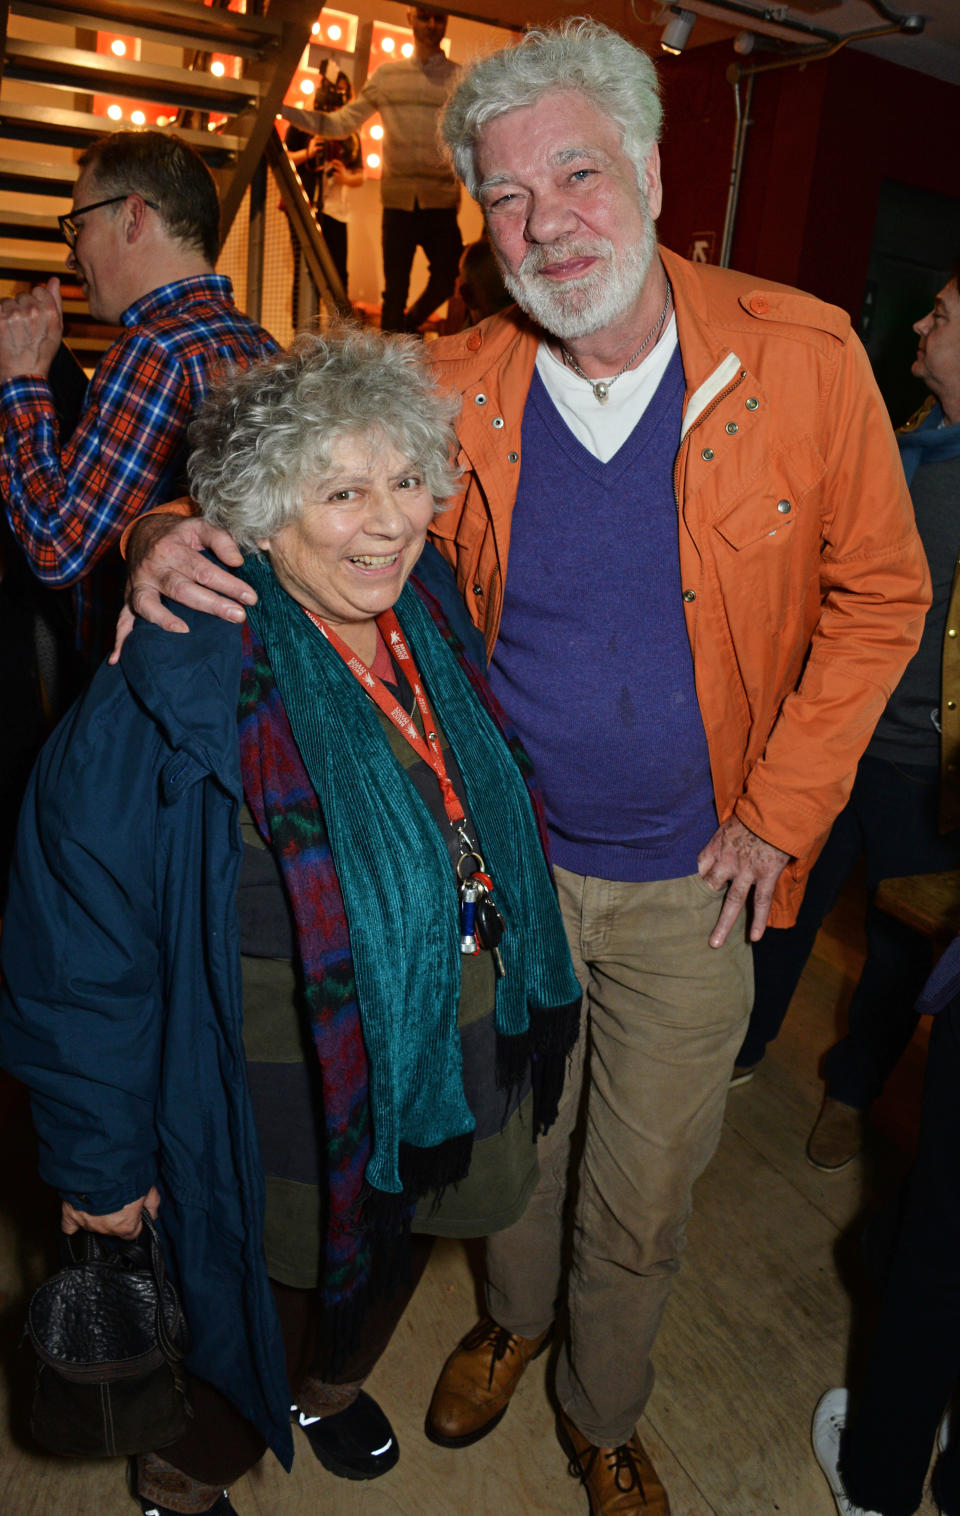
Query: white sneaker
{"points": [[829, 1420]]}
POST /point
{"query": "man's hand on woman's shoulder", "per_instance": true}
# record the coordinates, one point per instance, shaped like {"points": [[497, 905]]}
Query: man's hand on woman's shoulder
{"points": [[165, 557]]}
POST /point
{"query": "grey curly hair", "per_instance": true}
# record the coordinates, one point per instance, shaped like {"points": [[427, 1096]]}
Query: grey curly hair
{"points": [[265, 434], [615, 76]]}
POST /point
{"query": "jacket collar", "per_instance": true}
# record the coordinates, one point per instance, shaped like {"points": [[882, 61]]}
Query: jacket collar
{"points": [[500, 353]]}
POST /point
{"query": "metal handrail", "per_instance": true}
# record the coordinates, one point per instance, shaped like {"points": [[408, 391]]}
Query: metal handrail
{"points": [[315, 251]]}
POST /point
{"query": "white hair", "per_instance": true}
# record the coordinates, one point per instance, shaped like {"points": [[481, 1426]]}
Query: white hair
{"points": [[266, 434], [616, 77]]}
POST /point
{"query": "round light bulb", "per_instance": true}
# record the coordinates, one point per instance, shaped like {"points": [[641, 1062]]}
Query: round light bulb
{"points": [[138, 118], [388, 44], [376, 132], [407, 50], [118, 47], [334, 32], [315, 29], [307, 86], [115, 113], [218, 68], [373, 160]]}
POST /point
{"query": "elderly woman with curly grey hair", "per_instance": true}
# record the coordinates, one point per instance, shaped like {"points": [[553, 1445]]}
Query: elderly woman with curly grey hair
{"points": [[315, 992]]}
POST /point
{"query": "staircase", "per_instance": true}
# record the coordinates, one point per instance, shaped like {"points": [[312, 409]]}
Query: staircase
{"points": [[212, 73]]}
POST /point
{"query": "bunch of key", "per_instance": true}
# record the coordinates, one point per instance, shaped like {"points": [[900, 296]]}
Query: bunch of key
{"points": [[481, 921]]}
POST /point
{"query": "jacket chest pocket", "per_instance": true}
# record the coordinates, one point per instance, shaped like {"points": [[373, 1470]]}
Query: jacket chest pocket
{"points": [[767, 540]]}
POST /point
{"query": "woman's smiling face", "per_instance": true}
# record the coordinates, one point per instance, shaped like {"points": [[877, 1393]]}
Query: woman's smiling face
{"points": [[360, 532]]}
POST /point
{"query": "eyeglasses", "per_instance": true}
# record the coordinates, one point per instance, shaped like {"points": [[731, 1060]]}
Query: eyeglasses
{"points": [[70, 231]]}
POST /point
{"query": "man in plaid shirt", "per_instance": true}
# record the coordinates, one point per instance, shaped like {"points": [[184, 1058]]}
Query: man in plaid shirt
{"points": [[143, 238]]}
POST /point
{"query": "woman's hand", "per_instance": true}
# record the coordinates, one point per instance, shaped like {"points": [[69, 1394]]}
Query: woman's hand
{"points": [[126, 1223]]}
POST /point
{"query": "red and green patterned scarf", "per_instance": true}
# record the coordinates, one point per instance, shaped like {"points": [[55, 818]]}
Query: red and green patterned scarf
{"points": [[283, 801]]}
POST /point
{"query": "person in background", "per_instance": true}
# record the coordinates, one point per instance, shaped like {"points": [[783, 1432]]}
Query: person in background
{"points": [[143, 236], [327, 170], [480, 285], [903, 815], [420, 195], [282, 961], [695, 618], [874, 1443]]}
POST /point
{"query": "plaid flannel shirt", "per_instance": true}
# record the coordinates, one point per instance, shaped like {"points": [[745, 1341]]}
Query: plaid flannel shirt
{"points": [[69, 506]]}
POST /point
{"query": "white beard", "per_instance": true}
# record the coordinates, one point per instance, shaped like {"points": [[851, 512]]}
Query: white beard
{"points": [[579, 307]]}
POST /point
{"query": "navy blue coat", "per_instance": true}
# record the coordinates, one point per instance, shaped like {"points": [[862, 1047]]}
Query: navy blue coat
{"points": [[121, 1009]]}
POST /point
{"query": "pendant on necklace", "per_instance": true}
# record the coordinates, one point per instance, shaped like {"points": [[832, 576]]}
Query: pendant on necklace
{"points": [[602, 391]]}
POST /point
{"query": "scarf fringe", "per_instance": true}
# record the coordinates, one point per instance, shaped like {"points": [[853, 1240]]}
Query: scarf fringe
{"points": [[389, 1267], [422, 1171], [544, 1051], [554, 1031]]}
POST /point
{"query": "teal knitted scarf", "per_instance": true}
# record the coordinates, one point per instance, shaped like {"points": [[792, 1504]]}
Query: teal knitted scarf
{"points": [[396, 877]]}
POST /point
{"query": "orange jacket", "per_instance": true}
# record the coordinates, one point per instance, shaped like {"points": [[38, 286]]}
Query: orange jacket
{"points": [[804, 581]]}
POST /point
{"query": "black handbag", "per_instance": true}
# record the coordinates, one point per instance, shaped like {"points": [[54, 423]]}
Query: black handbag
{"points": [[109, 1334]]}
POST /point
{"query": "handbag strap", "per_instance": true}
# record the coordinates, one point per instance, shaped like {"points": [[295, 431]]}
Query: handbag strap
{"points": [[157, 1265], [94, 1249]]}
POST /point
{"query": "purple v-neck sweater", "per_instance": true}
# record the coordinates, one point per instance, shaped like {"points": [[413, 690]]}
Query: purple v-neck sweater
{"points": [[593, 661]]}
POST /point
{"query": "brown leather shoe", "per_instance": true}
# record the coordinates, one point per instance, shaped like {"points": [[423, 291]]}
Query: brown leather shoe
{"points": [[477, 1381], [619, 1481], [837, 1136]]}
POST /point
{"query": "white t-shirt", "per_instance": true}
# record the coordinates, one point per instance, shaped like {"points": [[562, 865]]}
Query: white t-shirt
{"points": [[603, 429]]}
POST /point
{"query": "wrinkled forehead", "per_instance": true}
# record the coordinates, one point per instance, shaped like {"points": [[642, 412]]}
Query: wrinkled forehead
{"points": [[560, 126]]}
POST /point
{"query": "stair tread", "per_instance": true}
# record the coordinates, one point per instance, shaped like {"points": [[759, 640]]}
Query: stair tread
{"points": [[71, 67], [48, 118], [222, 31]]}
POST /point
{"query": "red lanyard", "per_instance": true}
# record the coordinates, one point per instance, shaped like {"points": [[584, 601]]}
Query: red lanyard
{"points": [[429, 750]]}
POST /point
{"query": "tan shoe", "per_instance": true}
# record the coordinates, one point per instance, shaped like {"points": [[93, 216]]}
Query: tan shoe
{"points": [[837, 1136], [619, 1481], [477, 1381]]}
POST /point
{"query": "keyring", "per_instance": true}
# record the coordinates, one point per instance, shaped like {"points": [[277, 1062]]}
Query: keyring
{"points": [[462, 859]]}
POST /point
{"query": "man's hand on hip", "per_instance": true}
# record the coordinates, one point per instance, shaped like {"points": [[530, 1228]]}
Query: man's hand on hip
{"points": [[739, 861], [165, 557]]}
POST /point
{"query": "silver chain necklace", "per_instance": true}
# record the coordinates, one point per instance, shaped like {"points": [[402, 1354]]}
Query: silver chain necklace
{"points": [[601, 387]]}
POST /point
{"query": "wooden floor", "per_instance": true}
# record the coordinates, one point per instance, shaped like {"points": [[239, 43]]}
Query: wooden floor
{"points": [[758, 1325]]}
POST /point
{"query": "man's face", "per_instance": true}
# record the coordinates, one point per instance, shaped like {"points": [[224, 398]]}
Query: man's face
{"points": [[428, 27], [938, 353], [97, 256], [572, 228]]}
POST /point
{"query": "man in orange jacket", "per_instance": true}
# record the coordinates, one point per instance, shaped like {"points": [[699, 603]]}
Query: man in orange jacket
{"points": [[714, 583]]}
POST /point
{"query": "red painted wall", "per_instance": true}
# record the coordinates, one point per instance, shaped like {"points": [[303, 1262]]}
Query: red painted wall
{"points": [[821, 141]]}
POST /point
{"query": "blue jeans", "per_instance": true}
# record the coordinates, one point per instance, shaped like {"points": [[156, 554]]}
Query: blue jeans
{"points": [[891, 820]]}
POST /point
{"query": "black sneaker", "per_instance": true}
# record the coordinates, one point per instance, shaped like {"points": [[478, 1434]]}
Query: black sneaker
{"points": [[357, 1443], [222, 1507]]}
